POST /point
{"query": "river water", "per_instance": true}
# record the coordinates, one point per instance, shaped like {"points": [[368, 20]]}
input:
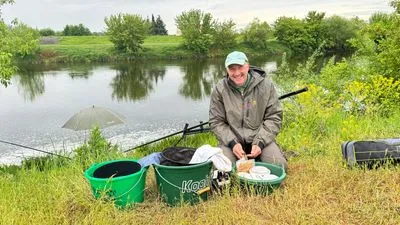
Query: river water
{"points": [[156, 98]]}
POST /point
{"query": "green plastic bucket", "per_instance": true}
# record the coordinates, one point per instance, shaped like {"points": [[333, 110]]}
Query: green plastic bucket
{"points": [[183, 184], [125, 189], [267, 186]]}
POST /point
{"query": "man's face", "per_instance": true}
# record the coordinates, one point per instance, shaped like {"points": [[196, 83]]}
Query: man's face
{"points": [[238, 73]]}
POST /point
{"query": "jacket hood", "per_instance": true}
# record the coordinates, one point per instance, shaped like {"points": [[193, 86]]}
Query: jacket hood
{"points": [[258, 70]]}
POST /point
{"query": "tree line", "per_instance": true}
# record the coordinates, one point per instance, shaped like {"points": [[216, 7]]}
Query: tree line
{"points": [[202, 34], [156, 27]]}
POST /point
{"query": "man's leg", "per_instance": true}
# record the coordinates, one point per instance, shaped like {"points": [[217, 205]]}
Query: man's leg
{"points": [[228, 153], [273, 154]]}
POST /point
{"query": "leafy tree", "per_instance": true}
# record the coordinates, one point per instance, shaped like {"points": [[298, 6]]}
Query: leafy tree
{"points": [[315, 31], [152, 25], [47, 32], [16, 40], [293, 33], [160, 27], [257, 33], [127, 32], [379, 17], [315, 28], [76, 30], [224, 36], [196, 28], [6, 66], [380, 43], [157, 26], [338, 31], [22, 40], [379, 23]]}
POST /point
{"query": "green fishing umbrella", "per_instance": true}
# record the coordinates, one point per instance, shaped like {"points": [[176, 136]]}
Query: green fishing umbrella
{"points": [[94, 116]]}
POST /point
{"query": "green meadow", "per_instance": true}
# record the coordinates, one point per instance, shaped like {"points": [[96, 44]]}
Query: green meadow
{"points": [[71, 49]]}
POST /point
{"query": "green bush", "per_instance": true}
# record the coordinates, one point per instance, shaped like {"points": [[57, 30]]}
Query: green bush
{"points": [[7, 68], [20, 40], [335, 75], [338, 31], [256, 34], [16, 41], [127, 32], [96, 149], [378, 95], [224, 36], [380, 43]]}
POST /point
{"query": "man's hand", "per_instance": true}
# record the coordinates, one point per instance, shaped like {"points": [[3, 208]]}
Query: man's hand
{"points": [[238, 151], [255, 151]]}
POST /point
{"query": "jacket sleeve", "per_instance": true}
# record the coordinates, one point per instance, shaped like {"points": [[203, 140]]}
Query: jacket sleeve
{"points": [[218, 121], [272, 119]]}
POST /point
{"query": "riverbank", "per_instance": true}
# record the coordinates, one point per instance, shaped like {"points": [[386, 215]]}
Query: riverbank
{"points": [[99, 49], [319, 188]]}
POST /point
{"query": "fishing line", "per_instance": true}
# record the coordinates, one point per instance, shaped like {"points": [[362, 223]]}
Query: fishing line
{"points": [[35, 149]]}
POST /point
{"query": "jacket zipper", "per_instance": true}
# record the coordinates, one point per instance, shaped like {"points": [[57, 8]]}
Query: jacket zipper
{"points": [[243, 107]]}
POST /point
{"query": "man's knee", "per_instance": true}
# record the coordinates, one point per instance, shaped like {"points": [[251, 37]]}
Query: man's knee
{"points": [[273, 154]]}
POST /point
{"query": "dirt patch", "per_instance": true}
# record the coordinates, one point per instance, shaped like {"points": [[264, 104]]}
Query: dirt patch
{"points": [[49, 40]]}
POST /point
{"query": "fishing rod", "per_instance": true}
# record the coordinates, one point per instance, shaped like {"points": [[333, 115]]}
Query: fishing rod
{"points": [[293, 93], [200, 127], [35, 149]]}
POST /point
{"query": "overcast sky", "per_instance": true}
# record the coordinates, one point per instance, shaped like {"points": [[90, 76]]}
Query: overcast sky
{"points": [[56, 14]]}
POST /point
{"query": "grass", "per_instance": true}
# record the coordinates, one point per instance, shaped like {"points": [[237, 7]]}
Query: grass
{"points": [[319, 188], [104, 40], [84, 40], [100, 49]]}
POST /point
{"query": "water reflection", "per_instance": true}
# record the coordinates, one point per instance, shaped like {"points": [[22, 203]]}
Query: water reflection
{"points": [[30, 83], [132, 81], [199, 78], [135, 81], [83, 71], [194, 83]]}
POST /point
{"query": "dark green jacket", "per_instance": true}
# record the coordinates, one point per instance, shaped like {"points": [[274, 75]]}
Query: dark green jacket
{"points": [[252, 117]]}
